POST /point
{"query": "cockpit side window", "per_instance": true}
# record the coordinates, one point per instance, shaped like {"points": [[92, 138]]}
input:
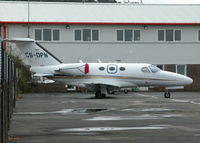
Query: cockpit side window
{"points": [[145, 70], [154, 69]]}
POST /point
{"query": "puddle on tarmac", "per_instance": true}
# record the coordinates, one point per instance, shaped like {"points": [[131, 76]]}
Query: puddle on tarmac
{"points": [[148, 109], [140, 117], [66, 111], [106, 129]]}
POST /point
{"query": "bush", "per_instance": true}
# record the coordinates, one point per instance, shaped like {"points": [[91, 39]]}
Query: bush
{"points": [[24, 74]]}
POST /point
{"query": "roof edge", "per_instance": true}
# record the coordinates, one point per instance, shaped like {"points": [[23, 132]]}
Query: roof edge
{"points": [[95, 23]]}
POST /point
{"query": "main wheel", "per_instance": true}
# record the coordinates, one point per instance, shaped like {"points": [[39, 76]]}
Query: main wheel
{"points": [[125, 91], [98, 94], [103, 95], [167, 94]]}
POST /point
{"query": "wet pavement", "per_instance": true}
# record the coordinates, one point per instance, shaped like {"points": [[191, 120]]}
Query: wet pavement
{"points": [[142, 117]]}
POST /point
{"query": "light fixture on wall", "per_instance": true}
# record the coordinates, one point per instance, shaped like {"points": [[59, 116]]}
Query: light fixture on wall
{"points": [[67, 26], [145, 27]]}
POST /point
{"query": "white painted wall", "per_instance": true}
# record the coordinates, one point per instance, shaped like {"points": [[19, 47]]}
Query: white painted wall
{"points": [[149, 49]]}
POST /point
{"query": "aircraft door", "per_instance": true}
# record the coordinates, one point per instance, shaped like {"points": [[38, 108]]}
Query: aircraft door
{"points": [[112, 69]]}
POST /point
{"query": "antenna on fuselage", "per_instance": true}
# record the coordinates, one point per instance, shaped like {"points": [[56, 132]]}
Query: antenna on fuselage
{"points": [[99, 61]]}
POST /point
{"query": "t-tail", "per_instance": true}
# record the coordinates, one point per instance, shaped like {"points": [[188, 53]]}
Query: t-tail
{"points": [[32, 53]]}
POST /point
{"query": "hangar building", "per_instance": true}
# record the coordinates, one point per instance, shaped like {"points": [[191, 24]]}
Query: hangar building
{"points": [[165, 35]]}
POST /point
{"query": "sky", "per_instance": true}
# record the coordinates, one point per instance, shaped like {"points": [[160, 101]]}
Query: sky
{"points": [[165, 1]]}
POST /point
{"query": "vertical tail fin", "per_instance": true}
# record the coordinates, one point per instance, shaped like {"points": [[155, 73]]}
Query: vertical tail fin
{"points": [[32, 53]]}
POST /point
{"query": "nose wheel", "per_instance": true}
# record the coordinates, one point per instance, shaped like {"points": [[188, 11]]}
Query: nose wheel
{"points": [[167, 94]]}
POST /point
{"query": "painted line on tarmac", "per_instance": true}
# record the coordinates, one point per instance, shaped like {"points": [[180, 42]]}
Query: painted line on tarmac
{"points": [[140, 117], [106, 129], [67, 111], [147, 109], [143, 95], [174, 100]]}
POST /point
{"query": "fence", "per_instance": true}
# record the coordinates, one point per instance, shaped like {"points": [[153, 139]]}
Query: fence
{"points": [[8, 74]]}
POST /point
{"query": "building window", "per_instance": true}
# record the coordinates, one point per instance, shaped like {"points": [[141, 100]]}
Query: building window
{"points": [[160, 67], [120, 35], [177, 35], [38, 34], [86, 35], [169, 35], [161, 35], [199, 35], [127, 35], [56, 35], [181, 69], [136, 35], [47, 34], [95, 35], [77, 35]]}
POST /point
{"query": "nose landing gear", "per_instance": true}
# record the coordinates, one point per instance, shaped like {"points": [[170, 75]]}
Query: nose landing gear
{"points": [[167, 94]]}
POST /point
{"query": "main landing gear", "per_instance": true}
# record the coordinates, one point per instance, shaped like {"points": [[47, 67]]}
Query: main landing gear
{"points": [[167, 94], [98, 94]]}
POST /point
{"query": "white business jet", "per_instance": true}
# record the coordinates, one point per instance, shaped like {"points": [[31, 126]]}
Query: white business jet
{"points": [[98, 77]]}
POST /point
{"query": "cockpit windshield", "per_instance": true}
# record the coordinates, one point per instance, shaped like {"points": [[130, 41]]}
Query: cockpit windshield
{"points": [[145, 70], [154, 69]]}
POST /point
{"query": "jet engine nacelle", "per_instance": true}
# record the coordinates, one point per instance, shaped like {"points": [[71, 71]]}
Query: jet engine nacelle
{"points": [[75, 69]]}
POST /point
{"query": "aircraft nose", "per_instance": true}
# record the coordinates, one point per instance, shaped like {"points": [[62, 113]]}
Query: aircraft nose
{"points": [[185, 80], [188, 80]]}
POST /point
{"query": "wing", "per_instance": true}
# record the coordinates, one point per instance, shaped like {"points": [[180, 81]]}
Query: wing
{"points": [[94, 85]]}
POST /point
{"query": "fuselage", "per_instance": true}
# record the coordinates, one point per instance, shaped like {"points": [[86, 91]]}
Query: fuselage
{"points": [[113, 74]]}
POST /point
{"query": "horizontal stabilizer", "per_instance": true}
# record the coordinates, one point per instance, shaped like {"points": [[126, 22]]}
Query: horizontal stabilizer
{"points": [[43, 75], [20, 40]]}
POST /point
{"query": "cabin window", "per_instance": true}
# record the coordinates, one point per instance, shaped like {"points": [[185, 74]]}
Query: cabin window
{"points": [[181, 69], [122, 68], [101, 68], [145, 70], [111, 68]]}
